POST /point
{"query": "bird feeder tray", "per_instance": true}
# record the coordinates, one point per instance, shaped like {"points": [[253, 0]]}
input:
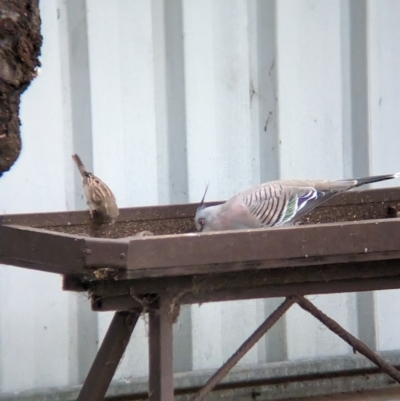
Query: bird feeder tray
{"points": [[70, 243], [350, 243]]}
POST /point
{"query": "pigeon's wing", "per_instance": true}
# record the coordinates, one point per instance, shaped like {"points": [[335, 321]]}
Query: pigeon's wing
{"points": [[276, 204]]}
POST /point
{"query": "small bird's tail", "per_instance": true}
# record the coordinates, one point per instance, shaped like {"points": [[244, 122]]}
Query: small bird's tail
{"points": [[376, 178], [79, 164]]}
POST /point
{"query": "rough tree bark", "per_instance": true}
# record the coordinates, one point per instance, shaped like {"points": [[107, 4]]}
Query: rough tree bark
{"points": [[20, 43]]}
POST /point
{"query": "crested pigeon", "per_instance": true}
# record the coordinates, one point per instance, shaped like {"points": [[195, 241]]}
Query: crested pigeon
{"points": [[274, 203]]}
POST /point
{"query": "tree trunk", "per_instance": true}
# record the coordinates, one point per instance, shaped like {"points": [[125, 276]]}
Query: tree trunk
{"points": [[20, 43]]}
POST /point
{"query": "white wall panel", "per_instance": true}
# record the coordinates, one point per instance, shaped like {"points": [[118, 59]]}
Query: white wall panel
{"points": [[123, 105], [384, 84], [134, 362], [309, 88], [123, 115], [34, 325], [384, 100], [28, 333], [307, 338], [310, 141], [219, 148]]}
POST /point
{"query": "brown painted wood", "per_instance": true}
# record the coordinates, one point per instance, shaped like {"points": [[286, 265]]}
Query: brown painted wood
{"points": [[187, 210], [104, 252], [206, 253], [192, 295], [82, 217], [323, 279], [282, 290], [264, 249], [246, 278], [119, 303], [161, 383], [38, 250]]}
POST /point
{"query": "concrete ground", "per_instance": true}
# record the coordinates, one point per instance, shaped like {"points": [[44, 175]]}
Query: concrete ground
{"points": [[371, 395]]}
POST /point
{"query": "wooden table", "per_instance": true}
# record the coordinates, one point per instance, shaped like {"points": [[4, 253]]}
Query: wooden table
{"points": [[357, 248]]}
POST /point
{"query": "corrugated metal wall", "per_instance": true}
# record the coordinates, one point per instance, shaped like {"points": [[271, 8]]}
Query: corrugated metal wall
{"points": [[162, 97]]}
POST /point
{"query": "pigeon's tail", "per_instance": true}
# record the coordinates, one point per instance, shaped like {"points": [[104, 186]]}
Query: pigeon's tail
{"points": [[376, 178]]}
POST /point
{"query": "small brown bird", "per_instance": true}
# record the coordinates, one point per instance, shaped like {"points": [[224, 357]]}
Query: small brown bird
{"points": [[99, 197]]}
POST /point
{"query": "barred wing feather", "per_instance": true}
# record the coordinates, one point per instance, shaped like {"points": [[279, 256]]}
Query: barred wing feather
{"points": [[276, 205]]}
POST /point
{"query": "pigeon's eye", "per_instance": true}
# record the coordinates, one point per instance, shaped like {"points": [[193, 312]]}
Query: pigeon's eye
{"points": [[202, 222]]}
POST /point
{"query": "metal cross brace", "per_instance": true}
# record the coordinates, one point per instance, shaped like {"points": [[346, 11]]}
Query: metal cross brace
{"points": [[271, 320], [108, 357], [160, 350]]}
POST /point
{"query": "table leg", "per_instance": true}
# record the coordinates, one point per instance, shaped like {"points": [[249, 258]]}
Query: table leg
{"points": [[108, 357], [161, 383]]}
